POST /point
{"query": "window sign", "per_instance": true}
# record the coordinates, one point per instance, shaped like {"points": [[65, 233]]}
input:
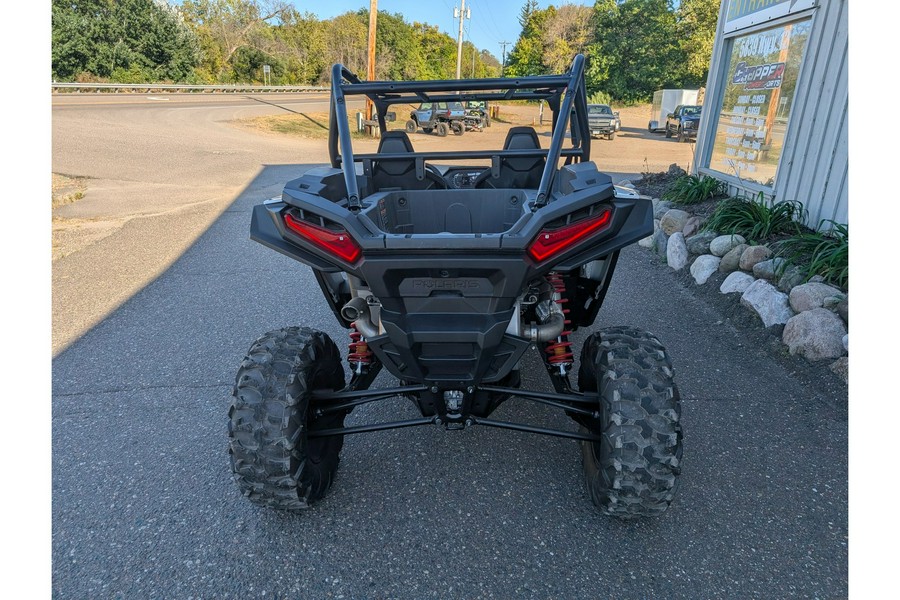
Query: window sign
{"points": [[746, 13], [756, 105]]}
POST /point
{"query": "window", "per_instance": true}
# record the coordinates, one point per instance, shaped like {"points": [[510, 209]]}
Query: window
{"points": [[756, 102]]}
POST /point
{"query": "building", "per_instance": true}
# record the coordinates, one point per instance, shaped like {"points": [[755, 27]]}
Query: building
{"points": [[775, 114]]}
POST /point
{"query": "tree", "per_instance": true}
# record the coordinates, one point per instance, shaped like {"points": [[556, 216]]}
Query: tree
{"points": [[126, 40], [696, 33]]}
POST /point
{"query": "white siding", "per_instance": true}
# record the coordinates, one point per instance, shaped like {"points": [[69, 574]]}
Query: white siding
{"points": [[814, 161]]}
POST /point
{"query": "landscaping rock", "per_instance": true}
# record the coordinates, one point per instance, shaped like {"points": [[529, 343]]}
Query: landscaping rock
{"points": [[692, 226], [703, 267], [661, 208], [673, 220], [815, 334], [811, 295], [766, 301], [699, 244], [768, 269], [843, 311], [737, 282], [722, 244], [846, 341], [731, 260], [676, 251], [660, 242], [841, 367], [752, 256], [646, 242], [792, 277]]}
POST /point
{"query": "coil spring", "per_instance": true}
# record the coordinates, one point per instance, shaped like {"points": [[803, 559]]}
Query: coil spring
{"points": [[560, 352], [359, 350]]}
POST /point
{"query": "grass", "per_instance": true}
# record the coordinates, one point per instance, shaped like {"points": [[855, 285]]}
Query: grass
{"points": [[313, 126], [66, 189], [756, 219], [692, 189], [824, 253]]}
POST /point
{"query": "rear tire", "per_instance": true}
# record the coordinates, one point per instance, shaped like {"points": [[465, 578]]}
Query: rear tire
{"points": [[633, 471], [668, 131], [411, 126], [441, 129], [273, 461]]}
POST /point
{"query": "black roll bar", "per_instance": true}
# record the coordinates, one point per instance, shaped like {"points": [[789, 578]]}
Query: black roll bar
{"points": [[565, 94]]}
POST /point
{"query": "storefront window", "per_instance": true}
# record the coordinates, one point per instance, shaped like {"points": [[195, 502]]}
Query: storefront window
{"points": [[761, 82]]}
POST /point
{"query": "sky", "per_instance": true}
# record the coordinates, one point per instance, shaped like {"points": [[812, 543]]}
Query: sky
{"points": [[492, 22]]}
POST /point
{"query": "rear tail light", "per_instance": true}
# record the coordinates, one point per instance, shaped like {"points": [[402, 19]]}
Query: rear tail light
{"points": [[551, 242], [337, 243]]}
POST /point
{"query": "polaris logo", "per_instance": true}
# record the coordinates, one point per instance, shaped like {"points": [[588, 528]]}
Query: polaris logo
{"points": [[445, 284]]}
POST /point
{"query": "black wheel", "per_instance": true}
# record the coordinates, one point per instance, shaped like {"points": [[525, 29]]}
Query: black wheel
{"points": [[458, 127], [411, 126], [668, 131], [633, 471], [441, 129], [680, 134], [274, 462], [611, 136]]}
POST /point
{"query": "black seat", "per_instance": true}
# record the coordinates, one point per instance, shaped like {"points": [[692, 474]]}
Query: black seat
{"points": [[401, 174], [516, 172]]}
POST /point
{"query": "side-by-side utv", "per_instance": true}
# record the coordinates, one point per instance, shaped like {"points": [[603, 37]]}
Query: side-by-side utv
{"points": [[446, 267]]}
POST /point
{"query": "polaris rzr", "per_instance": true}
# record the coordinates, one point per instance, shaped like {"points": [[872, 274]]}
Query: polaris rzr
{"points": [[446, 267]]}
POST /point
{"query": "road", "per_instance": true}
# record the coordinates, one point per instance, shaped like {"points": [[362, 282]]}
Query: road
{"points": [[143, 504]]}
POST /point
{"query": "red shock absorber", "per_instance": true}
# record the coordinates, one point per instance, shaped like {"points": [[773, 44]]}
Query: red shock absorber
{"points": [[359, 353], [560, 352]]}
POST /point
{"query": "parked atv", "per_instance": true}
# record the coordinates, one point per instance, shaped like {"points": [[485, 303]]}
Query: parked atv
{"points": [[446, 277], [478, 113], [439, 117]]}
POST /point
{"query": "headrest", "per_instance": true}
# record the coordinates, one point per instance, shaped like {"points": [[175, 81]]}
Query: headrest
{"points": [[394, 142], [521, 138]]}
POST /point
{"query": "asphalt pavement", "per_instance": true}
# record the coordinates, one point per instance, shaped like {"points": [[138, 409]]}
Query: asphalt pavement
{"points": [[144, 506]]}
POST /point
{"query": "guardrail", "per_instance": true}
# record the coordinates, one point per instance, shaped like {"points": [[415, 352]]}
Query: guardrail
{"points": [[145, 88]]}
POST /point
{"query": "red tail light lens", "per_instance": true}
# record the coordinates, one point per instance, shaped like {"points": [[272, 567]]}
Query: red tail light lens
{"points": [[337, 243], [551, 242]]}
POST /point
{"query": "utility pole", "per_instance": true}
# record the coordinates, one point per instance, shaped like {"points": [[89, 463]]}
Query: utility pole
{"points": [[370, 71], [461, 13], [503, 45]]}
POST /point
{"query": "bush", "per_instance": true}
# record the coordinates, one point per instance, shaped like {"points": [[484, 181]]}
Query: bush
{"points": [[599, 98], [824, 253], [692, 189], [756, 219]]}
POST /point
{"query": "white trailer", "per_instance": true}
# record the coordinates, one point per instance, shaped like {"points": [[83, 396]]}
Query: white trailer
{"points": [[664, 103]]}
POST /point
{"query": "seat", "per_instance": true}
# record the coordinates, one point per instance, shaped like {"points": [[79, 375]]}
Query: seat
{"points": [[519, 172], [400, 174]]}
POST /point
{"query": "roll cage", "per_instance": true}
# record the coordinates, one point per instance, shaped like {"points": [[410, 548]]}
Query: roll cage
{"points": [[565, 95]]}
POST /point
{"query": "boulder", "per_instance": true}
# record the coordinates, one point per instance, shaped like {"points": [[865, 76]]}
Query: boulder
{"points": [[792, 277], [646, 242], [673, 220], [692, 226], [752, 256], [660, 242], [808, 296], [661, 208], [768, 269], [737, 282], [703, 267], [699, 244], [815, 334], [722, 244], [846, 341], [765, 300], [731, 260], [676, 251], [841, 367]]}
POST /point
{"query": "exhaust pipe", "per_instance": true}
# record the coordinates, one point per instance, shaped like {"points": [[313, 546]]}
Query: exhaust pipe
{"points": [[549, 330], [357, 311]]}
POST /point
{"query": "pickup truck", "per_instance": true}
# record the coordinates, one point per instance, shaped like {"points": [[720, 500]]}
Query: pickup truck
{"points": [[683, 122], [439, 117], [602, 121]]}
